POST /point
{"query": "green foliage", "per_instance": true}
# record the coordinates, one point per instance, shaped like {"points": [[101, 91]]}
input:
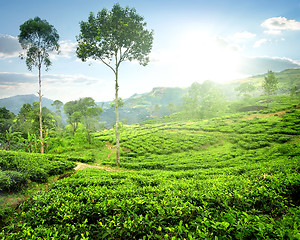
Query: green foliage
{"points": [[204, 100], [110, 33], [6, 121], [163, 205], [114, 37], [270, 83], [231, 177], [11, 181], [245, 89], [38, 38], [84, 110], [17, 168], [28, 119]]}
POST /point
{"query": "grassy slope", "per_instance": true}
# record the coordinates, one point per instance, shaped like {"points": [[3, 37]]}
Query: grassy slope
{"points": [[235, 177]]}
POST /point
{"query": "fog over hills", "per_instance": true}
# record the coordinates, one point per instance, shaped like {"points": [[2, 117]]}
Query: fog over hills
{"points": [[161, 100]]}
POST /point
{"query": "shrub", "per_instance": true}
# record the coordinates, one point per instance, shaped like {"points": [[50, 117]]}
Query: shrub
{"points": [[12, 181]]}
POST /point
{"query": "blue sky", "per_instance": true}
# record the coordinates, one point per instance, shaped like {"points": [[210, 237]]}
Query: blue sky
{"points": [[193, 41]]}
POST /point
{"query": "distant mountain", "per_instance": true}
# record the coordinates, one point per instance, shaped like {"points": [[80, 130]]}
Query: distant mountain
{"points": [[140, 107], [160, 101], [14, 103]]}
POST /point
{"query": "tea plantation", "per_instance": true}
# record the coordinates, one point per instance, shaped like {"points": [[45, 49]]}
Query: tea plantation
{"points": [[234, 177]]}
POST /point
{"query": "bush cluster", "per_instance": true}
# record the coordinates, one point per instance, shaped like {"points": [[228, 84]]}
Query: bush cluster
{"points": [[17, 168]]}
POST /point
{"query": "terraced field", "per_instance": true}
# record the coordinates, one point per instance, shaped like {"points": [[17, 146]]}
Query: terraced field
{"points": [[234, 177]]}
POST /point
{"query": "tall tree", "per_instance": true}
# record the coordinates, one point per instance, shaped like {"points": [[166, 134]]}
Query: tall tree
{"points": [[38, 38], [114, 37], [270, 83]]}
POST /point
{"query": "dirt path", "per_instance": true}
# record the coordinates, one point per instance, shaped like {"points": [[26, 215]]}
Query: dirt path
{"points": [[81, 166], [280, 114]]}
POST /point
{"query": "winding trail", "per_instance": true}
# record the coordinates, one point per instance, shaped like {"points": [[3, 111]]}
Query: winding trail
{"points": [[81, 166]]}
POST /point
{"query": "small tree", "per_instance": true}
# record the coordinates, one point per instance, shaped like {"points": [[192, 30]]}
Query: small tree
{"points": [[57, 104], [270, 83], [38, 38], [90, 114], [245, 89], [204, 100], [6, 120], [114, 37], [74, 115], [83, 110], [294, 91]]}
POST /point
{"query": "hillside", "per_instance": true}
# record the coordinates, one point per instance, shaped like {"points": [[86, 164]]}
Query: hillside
{"points": [[231, 177], [286, 80], [142, 107], [14, 103], [161, 101]]}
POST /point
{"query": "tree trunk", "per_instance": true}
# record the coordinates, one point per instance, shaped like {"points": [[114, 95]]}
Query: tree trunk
{"points": [[88, 132], [40, 114], [117, 120]]}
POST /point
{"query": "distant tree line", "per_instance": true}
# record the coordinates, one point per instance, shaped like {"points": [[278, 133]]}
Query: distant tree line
{"points": [[23, 129]]}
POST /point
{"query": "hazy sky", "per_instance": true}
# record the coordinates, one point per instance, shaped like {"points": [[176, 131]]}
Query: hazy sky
{"points": [[194, 40]]}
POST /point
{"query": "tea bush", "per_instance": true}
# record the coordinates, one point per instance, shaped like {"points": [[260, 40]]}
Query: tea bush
{"points": [[11, 181], [142, 205], [214, 179], [18, 167]]}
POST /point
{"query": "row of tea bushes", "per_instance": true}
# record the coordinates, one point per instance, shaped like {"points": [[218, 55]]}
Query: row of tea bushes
{"points": [[227, 188], [17, 168], [95, 204]]}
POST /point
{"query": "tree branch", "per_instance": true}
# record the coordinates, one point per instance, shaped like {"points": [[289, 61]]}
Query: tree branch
{"points": [[107, 65]]}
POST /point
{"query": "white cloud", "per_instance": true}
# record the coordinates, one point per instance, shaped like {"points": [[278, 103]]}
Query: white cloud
{"points": [[260, 65], [273, 32], [276, 25], [242, 36], [67, 50], [260, 42], [62, 79], [9, 46], [54, 86], [11, 78]]}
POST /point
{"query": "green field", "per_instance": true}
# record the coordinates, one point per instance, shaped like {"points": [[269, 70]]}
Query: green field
{"points": [[232, 177]]}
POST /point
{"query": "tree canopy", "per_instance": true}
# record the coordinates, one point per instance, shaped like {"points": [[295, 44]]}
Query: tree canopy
{"points": [[117, 35], [84, 110], [204, 100], [270, 83], [245, 89], [38, 38]]}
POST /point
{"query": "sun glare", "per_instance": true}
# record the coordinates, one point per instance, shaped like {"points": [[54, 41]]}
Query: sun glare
{"points": [[207, 57]]}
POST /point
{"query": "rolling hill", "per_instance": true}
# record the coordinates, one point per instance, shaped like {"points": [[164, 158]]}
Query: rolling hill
{"points": [[231, 177], [14, 103], [161, 101]]}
